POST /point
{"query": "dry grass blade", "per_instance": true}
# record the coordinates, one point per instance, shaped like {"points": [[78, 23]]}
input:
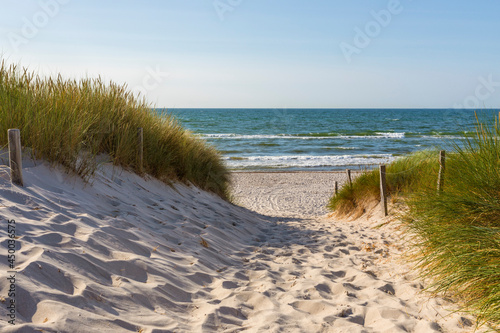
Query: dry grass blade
{"points": [[203, 242]]}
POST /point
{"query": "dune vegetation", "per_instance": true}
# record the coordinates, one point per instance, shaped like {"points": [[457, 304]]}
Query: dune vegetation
{"points": [[404, 175], [456, 232], [71, 122]]}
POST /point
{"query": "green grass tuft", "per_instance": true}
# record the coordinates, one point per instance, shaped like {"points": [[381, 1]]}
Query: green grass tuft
{"points": [[70, 122], [403, 176]]}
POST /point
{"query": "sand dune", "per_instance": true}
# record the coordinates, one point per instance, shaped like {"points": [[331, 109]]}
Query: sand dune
{"points": [[128, 254]]}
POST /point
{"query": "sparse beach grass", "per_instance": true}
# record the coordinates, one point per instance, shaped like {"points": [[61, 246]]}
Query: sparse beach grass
{"points": [[456, 232], [404, 175], [70, 122]]}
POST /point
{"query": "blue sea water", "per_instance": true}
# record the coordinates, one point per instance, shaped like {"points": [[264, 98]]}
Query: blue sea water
{"points": [[325, 139]]}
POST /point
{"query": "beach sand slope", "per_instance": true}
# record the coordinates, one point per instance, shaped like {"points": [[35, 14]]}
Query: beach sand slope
{"points": [[131, 254], [122, 254]]}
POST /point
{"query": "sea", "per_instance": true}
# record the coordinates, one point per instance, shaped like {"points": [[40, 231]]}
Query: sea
{"points": [[326, 139]]}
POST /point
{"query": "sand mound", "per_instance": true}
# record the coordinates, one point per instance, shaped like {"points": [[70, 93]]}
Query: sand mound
{"points": [[122, 254]]}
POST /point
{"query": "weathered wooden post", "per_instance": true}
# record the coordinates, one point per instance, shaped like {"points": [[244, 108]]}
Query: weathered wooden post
{"points": [[383, 190], [442, 155], [336, 187], [15, 157], [349, 179], [140, 149]]}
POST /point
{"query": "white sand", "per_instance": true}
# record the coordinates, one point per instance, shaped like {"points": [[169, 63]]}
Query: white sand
{"points": [[287, 194], [128, 254]]}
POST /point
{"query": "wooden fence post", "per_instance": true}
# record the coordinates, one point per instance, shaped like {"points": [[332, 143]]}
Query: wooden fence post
{"points": [[383, 190], [349, 179], [140, 149], [15, 157], [442, 155], [336, 187]]}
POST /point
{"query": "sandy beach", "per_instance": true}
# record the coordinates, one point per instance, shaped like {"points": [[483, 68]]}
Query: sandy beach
{"points": [[131, 254], [287, 194]]}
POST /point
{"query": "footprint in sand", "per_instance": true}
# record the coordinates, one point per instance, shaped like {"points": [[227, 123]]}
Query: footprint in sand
{"points": [[27, 256], [328, 248], [229, 285]]}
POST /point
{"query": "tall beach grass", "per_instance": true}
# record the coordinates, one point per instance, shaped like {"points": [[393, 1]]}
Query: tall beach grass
{"points": [[70, 122], [456, 232]]}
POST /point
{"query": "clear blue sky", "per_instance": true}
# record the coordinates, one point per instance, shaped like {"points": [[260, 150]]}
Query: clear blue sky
{"points": [[274, 53]]}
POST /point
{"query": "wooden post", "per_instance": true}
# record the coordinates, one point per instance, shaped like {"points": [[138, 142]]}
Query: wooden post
{"points": [[336, 187], [349, 179], [442, 155], [140, 149], [383, 190], [15, 157]]}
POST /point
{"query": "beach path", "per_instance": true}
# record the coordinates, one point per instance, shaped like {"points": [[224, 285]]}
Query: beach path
{"points": [[312, 273]]}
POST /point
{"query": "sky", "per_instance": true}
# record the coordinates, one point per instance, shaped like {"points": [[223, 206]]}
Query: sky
{"points": [[267, 54]]}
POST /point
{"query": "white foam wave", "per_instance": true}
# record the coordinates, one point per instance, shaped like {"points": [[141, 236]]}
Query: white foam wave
{"points": [[448, 137], [391, 135], [379, 135], [291, 161], [344, 148], [250, 136]]}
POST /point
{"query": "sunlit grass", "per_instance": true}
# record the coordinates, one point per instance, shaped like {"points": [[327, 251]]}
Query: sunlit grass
{"points": [[70, 122], [456, 232], [404, 175]]}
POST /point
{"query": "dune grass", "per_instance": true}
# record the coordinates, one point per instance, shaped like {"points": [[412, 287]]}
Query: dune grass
{"points": [[70, 122], [403, 176], [456, 232]]}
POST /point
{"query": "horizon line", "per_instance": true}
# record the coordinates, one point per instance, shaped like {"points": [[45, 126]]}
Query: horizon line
{"points": [[332, 108]]}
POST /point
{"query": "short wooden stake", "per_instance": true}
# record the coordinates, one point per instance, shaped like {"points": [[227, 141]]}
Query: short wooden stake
{"points": [[383, 190], [442, 167], [336, 187], [349, 179], [140, 149], [15, 157]]}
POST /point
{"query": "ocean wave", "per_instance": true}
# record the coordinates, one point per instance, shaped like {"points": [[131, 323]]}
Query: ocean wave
{"points": [[250, 136], [345, 148], [378, 135], [391, 135], [291, 161], [332, 148], [444, 136]]}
